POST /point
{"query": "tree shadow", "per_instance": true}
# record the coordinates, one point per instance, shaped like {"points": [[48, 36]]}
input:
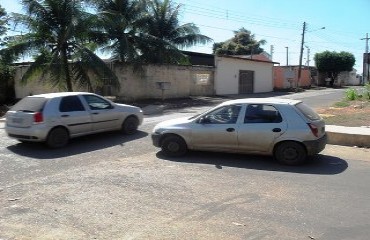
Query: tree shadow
{"points": [[75, 146], [318, 164]]}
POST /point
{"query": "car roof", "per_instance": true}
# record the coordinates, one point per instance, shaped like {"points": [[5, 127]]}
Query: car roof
{"points": [[59, 94], [272, 100]]}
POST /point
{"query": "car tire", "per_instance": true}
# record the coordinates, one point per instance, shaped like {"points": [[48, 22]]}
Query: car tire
{"points": [[57, 138], [290, 153], [174, 146], [130, 125]]}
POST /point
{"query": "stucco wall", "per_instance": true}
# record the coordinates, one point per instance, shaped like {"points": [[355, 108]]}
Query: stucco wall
{"points": [[227, 75], [183, 81], [287, 77]]}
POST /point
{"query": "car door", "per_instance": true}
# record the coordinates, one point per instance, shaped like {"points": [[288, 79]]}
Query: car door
{"points": [[74, 115], [261, 125], [103, 114], [217, 130]]}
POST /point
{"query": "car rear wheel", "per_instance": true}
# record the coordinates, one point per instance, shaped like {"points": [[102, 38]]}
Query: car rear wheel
{"points": [[57, 138], [290, 153], [130, 125], [174, 146]]}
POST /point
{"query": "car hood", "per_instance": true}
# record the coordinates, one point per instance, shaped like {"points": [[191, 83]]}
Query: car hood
{"points": [[174, 122], [128, 108]]}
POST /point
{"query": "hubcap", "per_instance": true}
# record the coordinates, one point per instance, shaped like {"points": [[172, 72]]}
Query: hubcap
{"points": [[173, 147]]}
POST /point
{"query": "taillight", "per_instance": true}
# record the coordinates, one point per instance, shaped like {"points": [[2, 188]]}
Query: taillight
{"points": [[38, 118], [314, 129]]}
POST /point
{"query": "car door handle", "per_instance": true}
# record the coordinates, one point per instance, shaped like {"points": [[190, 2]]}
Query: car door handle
{"points": [[65, 115], [230, 129], [95, 113], [276, 130]]}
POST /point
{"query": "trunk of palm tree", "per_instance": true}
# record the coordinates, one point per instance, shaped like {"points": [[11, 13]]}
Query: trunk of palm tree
{"points": [[66, 70]]}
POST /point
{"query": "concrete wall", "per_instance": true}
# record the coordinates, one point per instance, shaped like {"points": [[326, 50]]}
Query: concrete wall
{"points": [[287, 76], [227, 75], [181, 81]]}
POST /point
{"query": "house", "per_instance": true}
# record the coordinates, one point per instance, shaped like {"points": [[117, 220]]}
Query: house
{"points": [[286, 77], [243, 75], [349, 78]]}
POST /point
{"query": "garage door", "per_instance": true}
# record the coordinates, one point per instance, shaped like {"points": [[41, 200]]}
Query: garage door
{"points": [[246, 79]]}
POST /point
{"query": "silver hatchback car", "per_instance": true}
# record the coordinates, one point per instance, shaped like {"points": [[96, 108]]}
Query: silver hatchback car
{"points": [[287, 129], [54, 118]]}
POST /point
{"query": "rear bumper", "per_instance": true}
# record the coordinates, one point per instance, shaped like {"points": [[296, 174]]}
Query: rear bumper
{"points": [[34, 133], [316, 146]]}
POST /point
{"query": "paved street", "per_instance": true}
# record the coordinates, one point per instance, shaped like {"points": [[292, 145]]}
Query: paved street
{"points": [[110, 186]]}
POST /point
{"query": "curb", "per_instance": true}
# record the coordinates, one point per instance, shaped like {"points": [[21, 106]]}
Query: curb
{"points": [[348, 136]]}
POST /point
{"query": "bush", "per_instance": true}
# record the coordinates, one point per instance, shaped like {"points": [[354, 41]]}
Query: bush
{"points": [[352, 94], [366, 94]]}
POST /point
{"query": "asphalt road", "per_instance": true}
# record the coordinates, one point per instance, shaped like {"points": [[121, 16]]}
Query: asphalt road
{"points": [[110, 186]]}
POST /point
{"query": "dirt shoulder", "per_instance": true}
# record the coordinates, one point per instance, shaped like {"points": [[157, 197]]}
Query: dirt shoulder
{"points": [[349, 114]]}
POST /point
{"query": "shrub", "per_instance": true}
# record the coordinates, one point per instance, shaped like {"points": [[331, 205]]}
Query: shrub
{"points": [[352, 94]]}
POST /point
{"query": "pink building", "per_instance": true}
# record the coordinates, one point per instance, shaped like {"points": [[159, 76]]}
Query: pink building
{"points": [[286, 77]]}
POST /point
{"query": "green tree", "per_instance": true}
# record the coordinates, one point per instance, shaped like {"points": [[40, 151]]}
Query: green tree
{"points": [[6, 70], [58, 39], [243, 43], [332, 63], [3, 21], [165, 36], [120, 27], [143, 31]]}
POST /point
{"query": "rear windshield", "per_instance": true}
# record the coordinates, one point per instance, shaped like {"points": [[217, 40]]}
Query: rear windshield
{"points": [[308, 112], [30, 104]]}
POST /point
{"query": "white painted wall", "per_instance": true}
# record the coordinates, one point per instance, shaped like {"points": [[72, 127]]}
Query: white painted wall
{"points": [[227, 75]]}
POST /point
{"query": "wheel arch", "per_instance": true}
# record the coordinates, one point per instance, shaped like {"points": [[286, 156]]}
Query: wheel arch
{"points": [[165, 135]]}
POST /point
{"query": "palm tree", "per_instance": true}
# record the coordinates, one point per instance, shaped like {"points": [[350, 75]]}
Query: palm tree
{"points": [[58, 39], [121, 23], [165, 34]]}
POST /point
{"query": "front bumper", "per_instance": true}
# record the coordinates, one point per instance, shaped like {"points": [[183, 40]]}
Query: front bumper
{"points": [[156, 137], [315, 146]]}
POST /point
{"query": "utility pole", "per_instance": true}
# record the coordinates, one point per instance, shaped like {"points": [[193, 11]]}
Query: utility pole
{"points": [[300, 56], [365, 66], [271, 51], [287, 56], [308, 56]]}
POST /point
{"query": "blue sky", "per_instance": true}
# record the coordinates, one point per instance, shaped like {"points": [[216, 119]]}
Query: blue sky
{"points": [[279, 22]]}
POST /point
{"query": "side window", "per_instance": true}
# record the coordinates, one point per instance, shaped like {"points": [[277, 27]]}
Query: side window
{"points": [[223, 115], [71, 104], [261, 113], [97, 103]]}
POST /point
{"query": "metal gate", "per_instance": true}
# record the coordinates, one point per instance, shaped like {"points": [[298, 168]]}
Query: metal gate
{"points": [[246, 80]]}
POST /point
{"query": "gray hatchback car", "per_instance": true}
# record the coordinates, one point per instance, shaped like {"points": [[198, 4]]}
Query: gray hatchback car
{"points": [[287, 129], [54, 118]]}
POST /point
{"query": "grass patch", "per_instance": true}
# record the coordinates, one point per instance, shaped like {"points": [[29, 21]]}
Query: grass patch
{"points": [[342, 104]]}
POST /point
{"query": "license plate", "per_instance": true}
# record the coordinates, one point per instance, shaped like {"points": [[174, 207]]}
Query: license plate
{"points": [[17, 120]]}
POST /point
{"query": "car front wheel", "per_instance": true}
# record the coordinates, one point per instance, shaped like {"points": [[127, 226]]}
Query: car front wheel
{"points": [[174, 146], [290, 153], [130, 125]]}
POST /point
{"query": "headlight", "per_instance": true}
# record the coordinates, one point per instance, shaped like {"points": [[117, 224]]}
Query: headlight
{"points": [[158, 130]]}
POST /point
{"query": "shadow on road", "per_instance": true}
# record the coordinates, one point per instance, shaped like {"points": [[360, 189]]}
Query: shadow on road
{"points": [[319, 164], [75, 146]]}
